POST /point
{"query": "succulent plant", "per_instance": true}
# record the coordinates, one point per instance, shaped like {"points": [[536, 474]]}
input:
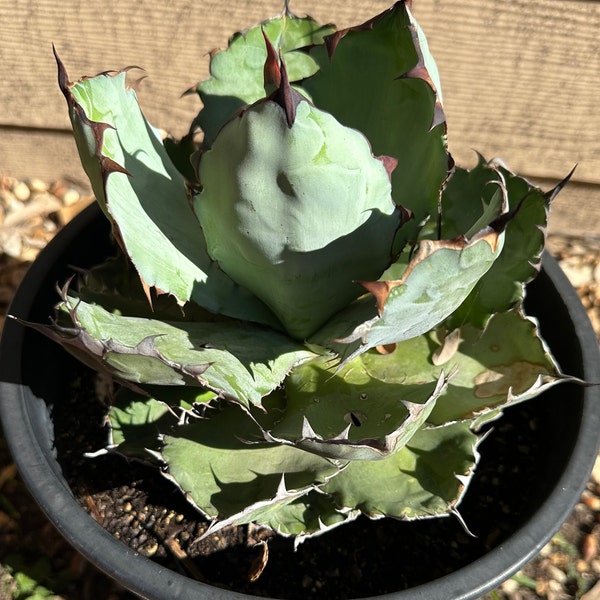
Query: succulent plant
{"points": [[313, 311]]}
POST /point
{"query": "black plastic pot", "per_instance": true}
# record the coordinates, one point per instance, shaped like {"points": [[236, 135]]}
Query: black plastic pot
{"points": [[32, 377]]}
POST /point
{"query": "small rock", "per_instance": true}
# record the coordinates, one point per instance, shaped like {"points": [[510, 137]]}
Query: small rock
{"points": [[547, 550], [578, 275], [8, 200], [555, 591], [589, 547], [10, 242], [49, 226], [70, 197], [37, 186], [582, 566], [592, 502], [596, 471], [150, 549], [593, 594], [595, 564], [556, 574], [510, 587], [21, 191]]}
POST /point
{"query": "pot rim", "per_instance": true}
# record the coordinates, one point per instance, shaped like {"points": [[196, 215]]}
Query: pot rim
{"points": [[41, 473]]}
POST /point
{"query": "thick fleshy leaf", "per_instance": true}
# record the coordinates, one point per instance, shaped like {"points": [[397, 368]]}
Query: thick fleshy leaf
{"points": [[312, 514], [146, 199], [239, 361], [114, 285], [381, 79], [439, 277], [426, 478], [350, 415], [285, 206], [294, 215], [261, 478], [136, 424], [238, 72], [502, 287], [501, 365]]}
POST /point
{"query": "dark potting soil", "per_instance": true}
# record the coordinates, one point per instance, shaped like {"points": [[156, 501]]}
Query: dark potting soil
{"points": [[139, 506]]}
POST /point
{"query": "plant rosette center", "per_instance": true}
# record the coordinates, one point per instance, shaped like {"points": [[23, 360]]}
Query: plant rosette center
{"points": [[312, 311]]}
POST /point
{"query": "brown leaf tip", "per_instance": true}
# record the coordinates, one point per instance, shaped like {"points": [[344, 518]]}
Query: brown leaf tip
{"points": [[419, 71], [275, 73], [107, 165], [271, 70], [63, 78], [286, 96], [390, 163], [380, 290]]}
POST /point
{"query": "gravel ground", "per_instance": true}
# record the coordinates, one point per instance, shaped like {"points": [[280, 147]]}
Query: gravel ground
{"points": [[36, 563]]}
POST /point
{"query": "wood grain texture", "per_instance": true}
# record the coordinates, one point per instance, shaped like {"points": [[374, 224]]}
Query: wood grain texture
{"points": [[520, 78], [52, 155], [576, 210], [521, 81], [45, 155]]}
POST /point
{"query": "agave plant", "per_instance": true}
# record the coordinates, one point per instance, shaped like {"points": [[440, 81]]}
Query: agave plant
{"points": [[312, 311]]}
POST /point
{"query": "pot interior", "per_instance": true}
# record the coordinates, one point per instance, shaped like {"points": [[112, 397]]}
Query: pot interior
{"points": [[523, 464]]}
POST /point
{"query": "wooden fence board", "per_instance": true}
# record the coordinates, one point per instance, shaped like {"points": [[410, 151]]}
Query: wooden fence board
{"points": [[520, 78]]}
